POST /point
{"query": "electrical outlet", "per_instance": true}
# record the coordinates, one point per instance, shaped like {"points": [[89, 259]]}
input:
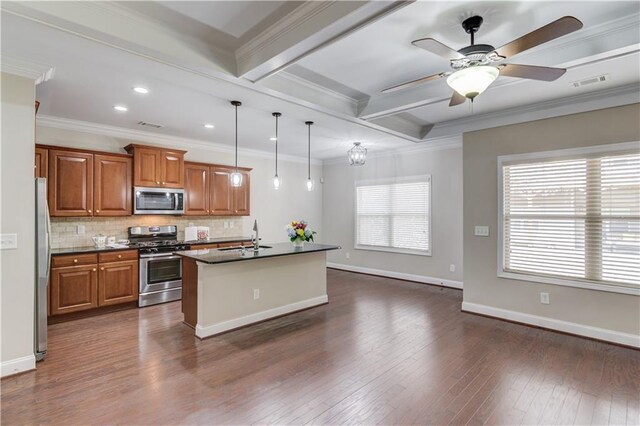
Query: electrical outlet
{"points": [[481, 231], [80, 230], [452, 268], [256, 293], [8, 241], [348, 255], [226, 225], [544, 298], [231, 224]]}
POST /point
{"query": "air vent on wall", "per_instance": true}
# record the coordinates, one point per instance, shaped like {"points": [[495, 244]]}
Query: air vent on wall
{"points": [[592, 80], [146, 124]]}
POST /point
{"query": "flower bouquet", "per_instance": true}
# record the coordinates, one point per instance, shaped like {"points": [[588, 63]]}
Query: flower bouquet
{"points": [[299, 232]]}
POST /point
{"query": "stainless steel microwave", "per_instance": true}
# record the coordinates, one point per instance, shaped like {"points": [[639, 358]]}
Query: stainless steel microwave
{"points": [[158, 201]]}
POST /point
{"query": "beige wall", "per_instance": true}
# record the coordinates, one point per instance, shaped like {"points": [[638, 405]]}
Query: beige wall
{"points": [[273, 209], [610, 311], [18, 217], [445, 168]]}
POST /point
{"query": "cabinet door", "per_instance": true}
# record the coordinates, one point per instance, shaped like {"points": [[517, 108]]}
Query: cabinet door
{"points": [[112, 185], [221, 199], [196, 188], [147, 164], [42, 161], [242, 196], [172, 169], [74, 288], [70, 183], [118, 283]]}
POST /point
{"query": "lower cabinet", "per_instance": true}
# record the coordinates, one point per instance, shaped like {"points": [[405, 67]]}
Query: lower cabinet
{"points": [[83, 282]]}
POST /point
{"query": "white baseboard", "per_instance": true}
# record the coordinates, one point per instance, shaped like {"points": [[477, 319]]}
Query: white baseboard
{"points": [[399, 275], [213, 329], [18, 365], [555, 324]]}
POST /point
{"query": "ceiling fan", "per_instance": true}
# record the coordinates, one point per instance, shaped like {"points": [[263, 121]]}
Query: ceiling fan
{"points": [[476, 66]]}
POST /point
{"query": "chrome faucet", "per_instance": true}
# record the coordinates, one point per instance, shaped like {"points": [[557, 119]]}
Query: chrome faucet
{"points": [[256, 241]]}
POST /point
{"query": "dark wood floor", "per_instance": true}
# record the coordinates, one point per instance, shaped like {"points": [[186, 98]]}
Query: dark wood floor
{"points": [[381, 352]]}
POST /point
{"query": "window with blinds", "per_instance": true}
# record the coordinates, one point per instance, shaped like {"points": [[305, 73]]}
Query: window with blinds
{"points": [[394, 215], [574, 219]]}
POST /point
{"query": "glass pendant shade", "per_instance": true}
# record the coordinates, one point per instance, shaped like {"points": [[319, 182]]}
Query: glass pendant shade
{"points": [[236, 179], [472, 81], [310, 185], [276, 182], [357, 155]]}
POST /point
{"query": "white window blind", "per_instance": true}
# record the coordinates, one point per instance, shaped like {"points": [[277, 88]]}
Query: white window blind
{"points": [[394, 215], [576, 218]]}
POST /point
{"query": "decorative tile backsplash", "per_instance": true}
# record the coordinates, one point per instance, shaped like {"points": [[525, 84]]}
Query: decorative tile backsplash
{"points": [[64, 230]]}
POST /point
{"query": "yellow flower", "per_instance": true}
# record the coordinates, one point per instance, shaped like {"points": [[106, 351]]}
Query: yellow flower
{"points": [[300, 232]]}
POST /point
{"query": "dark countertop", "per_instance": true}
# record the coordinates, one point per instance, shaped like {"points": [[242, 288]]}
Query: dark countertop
{"points": [[215, 256], [94, 249]]}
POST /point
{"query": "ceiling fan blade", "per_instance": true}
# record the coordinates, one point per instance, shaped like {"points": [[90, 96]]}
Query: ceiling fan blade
{"points": [[456, 99], [412, 83], [438, 48], [562, 26], [532, 72]]}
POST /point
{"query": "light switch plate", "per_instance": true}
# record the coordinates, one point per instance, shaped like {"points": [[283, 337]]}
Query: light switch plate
{"points": [[481, 231], [8, 241]]}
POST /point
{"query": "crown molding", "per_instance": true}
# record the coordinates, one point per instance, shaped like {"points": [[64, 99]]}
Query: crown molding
{"points": [[434, 144], [159, 139], [28, 69]]}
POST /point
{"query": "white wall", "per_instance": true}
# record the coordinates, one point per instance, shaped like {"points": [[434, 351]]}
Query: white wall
{"points": [[18, 217], [598, 314], [273, 209], [445, 168]]}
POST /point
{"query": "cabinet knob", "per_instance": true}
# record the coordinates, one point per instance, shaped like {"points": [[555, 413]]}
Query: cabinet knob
{"points": [[89, 210], [94, 269], [163, 183], [97, 211], [119, 256], [102, 269], [158, 183], [75, 260]]}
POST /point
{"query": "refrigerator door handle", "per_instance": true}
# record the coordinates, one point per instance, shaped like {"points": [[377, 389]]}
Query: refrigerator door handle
{"points": [[48, 239]]}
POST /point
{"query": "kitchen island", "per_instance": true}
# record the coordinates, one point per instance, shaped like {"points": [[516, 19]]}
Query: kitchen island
{"points": [[226, 289]]}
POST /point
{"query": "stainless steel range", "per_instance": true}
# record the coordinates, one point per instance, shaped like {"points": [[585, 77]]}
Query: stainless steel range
{"points": [[160, 268]]}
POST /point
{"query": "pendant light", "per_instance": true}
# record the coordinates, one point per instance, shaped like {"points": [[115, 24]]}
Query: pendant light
{"points": [[236, 176], [276, 179], [357, 155], [309, 180]]}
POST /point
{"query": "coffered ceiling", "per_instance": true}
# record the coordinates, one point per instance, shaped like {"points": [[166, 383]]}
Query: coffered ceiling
{"points": [[324, 61]]}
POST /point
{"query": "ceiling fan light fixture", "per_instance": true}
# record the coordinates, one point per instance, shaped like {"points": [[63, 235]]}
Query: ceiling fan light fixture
{"points": [[357, 155], [472, 81]]}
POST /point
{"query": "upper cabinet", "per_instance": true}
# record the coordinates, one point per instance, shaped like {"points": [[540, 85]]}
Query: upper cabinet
{"points": [[87, 184], [157, 167], [112, 185], [208, 191], [42, 162], [70, 183]]}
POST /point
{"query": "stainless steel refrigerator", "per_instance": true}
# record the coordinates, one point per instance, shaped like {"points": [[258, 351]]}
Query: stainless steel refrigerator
{"points": [[43, 258]]}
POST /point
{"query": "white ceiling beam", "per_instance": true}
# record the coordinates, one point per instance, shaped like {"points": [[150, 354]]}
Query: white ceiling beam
{"points": [[311, 26], [597, 41]]}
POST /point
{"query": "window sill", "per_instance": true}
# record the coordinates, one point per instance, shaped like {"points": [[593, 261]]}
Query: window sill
{"points": [[610, 288], [394, 250]]}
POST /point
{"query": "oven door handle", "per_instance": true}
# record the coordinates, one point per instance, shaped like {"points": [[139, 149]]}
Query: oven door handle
{"points": [[166, 256]]}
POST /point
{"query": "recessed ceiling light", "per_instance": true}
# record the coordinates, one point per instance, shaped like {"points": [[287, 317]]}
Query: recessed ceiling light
{"points": [[142, 90], [120, 108], [273, 139], [209, 126]]}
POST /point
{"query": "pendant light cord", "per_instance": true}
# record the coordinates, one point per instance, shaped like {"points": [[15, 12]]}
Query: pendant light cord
{"points": [[276, 145], [236, 138], [309, 153]]}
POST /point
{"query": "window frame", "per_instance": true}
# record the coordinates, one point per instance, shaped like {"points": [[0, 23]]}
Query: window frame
{"points": [[561, 154], [388, 181]]}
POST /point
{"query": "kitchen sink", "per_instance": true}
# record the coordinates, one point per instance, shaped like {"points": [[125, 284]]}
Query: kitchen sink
{"points": [[246, 248]]}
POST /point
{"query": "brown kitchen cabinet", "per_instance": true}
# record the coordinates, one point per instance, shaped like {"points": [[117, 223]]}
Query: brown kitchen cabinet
{"points": [[42, 162], [112, 188], [88, 281], [196, 188], [157, 167], [73, 288], [70, 183], [209, 192]]}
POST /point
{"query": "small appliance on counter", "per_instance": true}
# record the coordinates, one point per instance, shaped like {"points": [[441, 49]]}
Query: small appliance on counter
{"points": [[190, 233], [160, 268]]}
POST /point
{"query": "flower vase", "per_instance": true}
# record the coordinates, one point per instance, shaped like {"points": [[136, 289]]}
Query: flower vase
{"points": [[298, 243]]}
